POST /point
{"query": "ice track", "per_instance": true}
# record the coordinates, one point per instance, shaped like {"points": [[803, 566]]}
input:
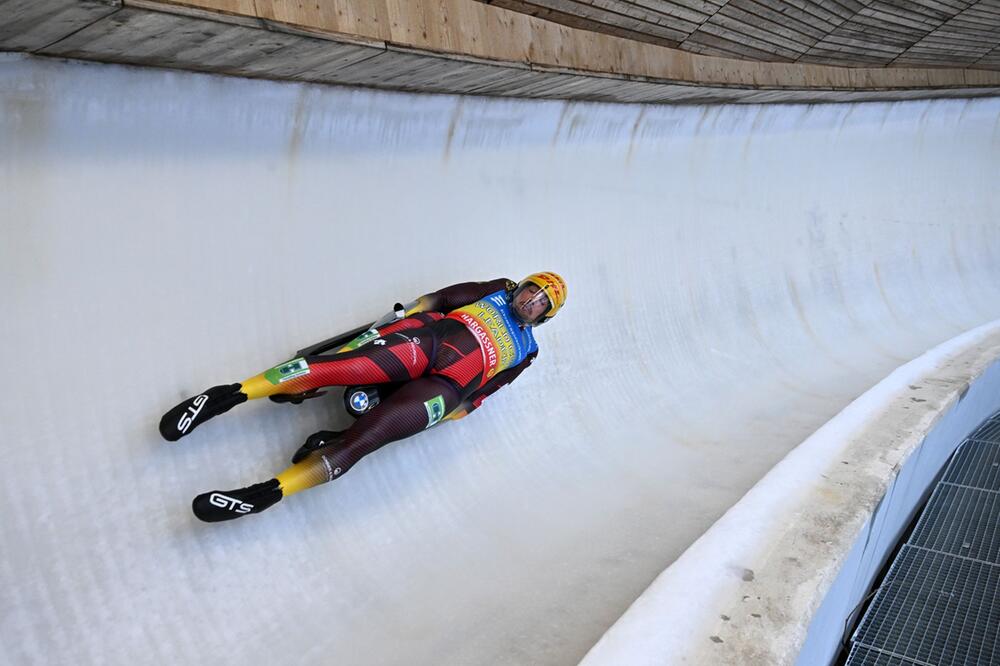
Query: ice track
{"points": [[737, 276]]}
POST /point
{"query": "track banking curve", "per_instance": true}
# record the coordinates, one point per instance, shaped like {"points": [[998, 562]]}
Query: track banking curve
{"points": [[737, 275]]}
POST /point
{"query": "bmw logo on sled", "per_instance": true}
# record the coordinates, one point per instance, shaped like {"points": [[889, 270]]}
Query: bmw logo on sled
{"points": [[361, 399]]}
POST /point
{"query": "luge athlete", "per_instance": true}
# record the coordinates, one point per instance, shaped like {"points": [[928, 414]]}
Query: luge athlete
{"points": [[447, 353]]}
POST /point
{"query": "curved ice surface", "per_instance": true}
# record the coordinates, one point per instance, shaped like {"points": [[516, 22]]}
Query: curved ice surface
{"points": [[737, 275]]}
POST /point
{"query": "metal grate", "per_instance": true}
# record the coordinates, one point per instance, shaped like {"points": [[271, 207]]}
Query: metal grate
{"points": [[939, 605], [961, 521], [977, 465], [988, 431], [935, 608], [866, 656]]}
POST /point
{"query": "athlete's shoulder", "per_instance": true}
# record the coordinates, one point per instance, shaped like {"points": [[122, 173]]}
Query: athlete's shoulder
{"points": [[503, 287], [502, 284]]}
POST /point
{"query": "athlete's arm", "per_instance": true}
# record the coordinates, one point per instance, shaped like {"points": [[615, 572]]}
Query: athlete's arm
{"points": [[473, 402], [456, 296]]}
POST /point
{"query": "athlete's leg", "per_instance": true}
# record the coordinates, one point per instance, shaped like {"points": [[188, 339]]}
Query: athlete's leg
{"points": [[415, 406], [419, 320], [401, 355]]}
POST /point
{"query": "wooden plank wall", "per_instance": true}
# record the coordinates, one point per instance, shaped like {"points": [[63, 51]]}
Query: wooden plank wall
{"points": [[451, 46], [29, 24], [939, 33], [969, 38], [475, 29]]}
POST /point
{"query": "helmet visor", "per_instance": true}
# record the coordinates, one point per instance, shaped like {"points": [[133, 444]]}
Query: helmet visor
{"points": [[530, 304]]}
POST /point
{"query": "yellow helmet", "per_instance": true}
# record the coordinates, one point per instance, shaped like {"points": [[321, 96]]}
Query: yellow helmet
{"points": [[552, 286]]}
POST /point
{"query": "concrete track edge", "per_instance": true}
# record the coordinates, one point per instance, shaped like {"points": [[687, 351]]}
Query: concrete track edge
{"points": [[779, 573]]}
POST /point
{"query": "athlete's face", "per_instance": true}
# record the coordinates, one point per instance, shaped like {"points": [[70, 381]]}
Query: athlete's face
{"points": [[530, 303]]}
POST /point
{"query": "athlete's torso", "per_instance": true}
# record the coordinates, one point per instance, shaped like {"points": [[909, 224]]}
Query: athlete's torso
{"points": [[503, 343]]}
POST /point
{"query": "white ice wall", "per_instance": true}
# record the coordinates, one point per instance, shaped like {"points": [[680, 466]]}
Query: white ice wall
{"points": [[737, 275]]}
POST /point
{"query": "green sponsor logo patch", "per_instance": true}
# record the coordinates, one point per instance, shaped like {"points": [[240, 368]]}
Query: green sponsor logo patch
{"points": [[360, 341], [435, 410], [290, 370]]}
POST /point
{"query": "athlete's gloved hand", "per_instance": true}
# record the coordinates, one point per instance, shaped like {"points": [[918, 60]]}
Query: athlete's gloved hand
{"points": [[398, 312], [422, 304]]}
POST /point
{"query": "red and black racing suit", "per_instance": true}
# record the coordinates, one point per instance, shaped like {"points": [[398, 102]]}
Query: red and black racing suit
{"points": [[438, 358]]}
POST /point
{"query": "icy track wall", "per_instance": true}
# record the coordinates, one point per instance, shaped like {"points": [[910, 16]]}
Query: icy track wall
{"points": [[737, 276]]}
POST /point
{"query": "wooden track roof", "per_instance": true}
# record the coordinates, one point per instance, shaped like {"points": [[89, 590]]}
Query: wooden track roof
{"points": [[469, 47], [946, 33]]}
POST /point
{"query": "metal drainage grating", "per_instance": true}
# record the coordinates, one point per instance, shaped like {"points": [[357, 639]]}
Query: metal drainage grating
{"points": [[865, 656], [939, 605], [961, 521], [935, 608], [989, 431], [976, 464]]}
